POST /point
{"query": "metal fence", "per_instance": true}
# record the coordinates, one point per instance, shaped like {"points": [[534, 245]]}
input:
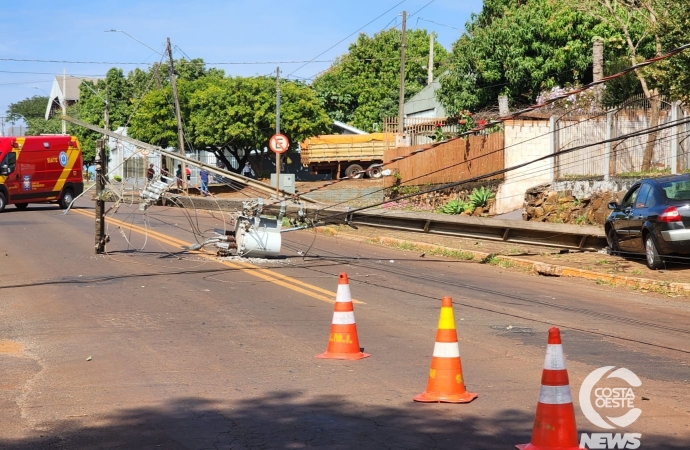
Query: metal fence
{"points": [[421, 130], [670, 146], [450, 161]]}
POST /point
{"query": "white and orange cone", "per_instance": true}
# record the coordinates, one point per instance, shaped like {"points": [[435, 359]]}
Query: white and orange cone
{"points": [[554, 423], [446, 383], [343, 342]]}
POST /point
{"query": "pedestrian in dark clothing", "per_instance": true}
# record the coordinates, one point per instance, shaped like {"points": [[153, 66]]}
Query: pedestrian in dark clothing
{"points": [[150, 173], [178, 176]]}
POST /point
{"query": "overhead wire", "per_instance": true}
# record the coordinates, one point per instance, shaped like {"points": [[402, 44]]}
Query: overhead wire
{"points": [[544, 103], [347, 37]]}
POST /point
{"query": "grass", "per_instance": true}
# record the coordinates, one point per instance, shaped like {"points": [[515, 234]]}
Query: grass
{"points": [[649, 174], [496, 260], [435, 251]]}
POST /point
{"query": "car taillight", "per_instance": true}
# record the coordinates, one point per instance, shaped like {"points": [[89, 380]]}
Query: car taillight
{"points": [[670, 214]]}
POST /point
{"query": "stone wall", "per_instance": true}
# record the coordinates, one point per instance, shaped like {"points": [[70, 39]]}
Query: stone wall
{"points": [[550, 203]]}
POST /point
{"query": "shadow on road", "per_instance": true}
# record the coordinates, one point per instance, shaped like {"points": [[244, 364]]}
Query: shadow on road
{"points": [[290, 421]]}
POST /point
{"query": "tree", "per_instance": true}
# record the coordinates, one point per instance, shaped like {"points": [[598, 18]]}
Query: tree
{"points": [[637, 23], [362, 86], [29, 108], [520, 49], [230, 114], [673, 74], [124, 94]]}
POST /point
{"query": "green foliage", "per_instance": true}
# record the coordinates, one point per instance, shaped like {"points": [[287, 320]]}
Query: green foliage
{"points": [[465, 121], [519, 49], [480, 197], [233, 114], [619, 90], [673, 27], [456, 206], [117, 178], [361, 87], [438, 133], [29, 108]]}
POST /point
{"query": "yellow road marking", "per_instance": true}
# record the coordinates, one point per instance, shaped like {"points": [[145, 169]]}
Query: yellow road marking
{"points": [[280, 276], [264, 274]]}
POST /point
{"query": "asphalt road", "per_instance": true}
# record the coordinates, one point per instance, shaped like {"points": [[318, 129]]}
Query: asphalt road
{"points": [[153, 347]]}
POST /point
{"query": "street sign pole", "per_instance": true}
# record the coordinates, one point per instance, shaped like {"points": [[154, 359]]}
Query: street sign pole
{"points": [[277, 132], [279, 144]]}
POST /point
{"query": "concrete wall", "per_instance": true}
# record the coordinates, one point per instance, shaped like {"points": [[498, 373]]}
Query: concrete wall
{"points": [[525, 140], [587, 188]]}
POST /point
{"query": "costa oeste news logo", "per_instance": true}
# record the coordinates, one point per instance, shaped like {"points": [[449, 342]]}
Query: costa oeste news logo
{"points": [[610, 395]]}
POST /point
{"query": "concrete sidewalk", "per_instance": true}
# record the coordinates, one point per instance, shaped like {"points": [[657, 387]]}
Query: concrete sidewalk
{"points": [[599, 267]]}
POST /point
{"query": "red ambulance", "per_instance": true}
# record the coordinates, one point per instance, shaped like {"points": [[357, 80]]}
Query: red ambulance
{"points": [[40, 169]]}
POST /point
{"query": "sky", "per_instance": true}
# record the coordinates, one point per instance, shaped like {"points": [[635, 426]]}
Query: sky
{"points": [[243, 37]]}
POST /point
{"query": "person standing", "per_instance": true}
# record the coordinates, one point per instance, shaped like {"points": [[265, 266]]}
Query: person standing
{"points": [[150, 173], [247, 170], [203, 176], [178, 176]]}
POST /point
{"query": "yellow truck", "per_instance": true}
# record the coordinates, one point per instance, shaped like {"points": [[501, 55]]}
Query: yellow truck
{"points": [[346, 154]]}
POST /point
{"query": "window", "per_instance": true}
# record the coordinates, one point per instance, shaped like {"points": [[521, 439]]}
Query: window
{"points": [[629, 199], [677, 190], [8, 164], [643, 193]]}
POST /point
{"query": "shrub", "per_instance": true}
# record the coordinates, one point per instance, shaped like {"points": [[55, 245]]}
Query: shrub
{"points": [[480, 197], [117, 178], [456, 206]]}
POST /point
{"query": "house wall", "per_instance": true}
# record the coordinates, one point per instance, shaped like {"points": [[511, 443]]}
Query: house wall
{"points": [[525, 140]]}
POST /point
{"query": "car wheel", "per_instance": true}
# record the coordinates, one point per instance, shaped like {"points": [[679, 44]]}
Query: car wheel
{"points": [[66, 198], [654, 261], [21, 206], [354, 171], [2, 202], [612, 240]]}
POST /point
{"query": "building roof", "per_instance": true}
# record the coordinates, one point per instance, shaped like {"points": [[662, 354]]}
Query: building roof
{"points": [[424, 103], [348, 128], [71, 87]]}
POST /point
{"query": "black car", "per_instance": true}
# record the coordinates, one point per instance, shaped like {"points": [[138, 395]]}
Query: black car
{"points": [[653, 219]]}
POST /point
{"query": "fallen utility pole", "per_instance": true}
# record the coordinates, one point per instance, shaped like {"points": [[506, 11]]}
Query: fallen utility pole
{"points": [[192, 162]]}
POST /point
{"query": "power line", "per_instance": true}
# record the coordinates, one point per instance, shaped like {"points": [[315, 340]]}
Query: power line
{"points": [[348, 36], [441, 24], [542, 158], [410, 16]]}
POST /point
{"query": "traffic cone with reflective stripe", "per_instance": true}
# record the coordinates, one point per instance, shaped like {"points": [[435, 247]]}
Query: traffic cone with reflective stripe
{"points": [[446, 383], [554, 424], [343, 342]]}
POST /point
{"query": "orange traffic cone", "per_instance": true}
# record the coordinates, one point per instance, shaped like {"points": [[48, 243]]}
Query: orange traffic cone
{"points": [[554, 424], [343, 342], [446, 383]]}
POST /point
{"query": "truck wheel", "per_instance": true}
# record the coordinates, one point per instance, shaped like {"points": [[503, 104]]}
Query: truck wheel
{"points": [[375, 170], [354, 171], [66, 198], [21, 206], [3, 201]]}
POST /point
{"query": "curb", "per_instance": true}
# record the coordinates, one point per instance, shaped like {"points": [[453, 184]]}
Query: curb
{"points": [[543, 268]]}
